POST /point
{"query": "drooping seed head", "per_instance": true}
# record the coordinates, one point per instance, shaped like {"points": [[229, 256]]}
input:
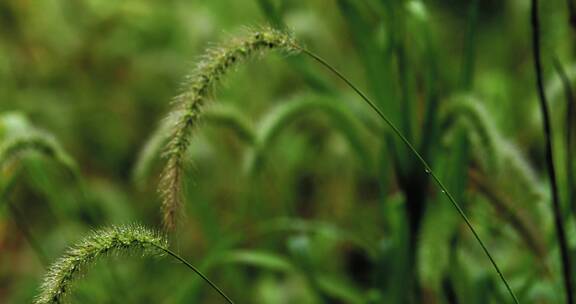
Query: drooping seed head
{"points": [[189, 105], [120, 239]]}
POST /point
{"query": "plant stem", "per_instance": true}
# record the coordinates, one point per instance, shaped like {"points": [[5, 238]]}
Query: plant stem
{"points": [[569, 144], [183, 261], [558, 220], [422, 161]]}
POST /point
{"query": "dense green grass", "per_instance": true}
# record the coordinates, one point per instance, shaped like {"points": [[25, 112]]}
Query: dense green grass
{"points": [[294, 190]]}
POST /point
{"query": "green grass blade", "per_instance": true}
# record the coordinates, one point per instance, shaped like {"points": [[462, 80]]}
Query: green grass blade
{"points": [[547, 126]]}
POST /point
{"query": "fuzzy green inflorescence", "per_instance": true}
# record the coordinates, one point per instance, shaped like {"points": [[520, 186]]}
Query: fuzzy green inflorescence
{"points": [[189, 105], [121, 239]]}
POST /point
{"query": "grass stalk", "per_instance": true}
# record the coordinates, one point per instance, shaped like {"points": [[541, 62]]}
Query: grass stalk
{"points": [[547, 126], [211, 70], [569, 129], [427, 168], [198, 272]]}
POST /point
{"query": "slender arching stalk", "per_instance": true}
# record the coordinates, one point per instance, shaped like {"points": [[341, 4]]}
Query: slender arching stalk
{"points": [[547, 126], [427, 168], [569, 129], [198, 272], [190, 104]]}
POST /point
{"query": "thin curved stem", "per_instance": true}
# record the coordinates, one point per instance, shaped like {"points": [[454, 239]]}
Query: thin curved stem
{"points": [[422, 161], [569, 142], [183, 261], [547, 126]]}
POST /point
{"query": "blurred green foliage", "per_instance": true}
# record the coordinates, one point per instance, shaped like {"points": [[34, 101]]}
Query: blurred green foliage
{"points": [[329, 207]]}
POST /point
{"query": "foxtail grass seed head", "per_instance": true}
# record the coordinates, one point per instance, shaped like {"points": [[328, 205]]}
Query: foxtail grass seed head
{"points": [[189, 105], [115, 240]]}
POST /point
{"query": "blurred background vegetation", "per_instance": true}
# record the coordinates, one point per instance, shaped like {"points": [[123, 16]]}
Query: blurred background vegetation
{"points": [[332, 209]]}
